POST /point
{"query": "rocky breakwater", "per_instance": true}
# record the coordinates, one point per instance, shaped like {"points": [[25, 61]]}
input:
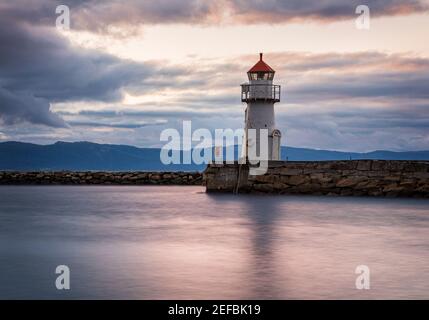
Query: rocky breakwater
{"points": [[101, 178], [335, 178]]}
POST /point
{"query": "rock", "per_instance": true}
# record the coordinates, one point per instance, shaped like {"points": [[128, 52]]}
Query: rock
{"points": [[142, 176], [423, 189], [264, 187], [290, 171], [280, 186], [379, 174], [378, 165], [312, 188], [393, 187], [364, 165], [350, 181], [392, 178], [343, 165], [369, 184], [409, 186], [397, 166], [375, 193], [415, 166], [332, 194], [346, 192], [321, 178], [419, 175], [296, 180]]}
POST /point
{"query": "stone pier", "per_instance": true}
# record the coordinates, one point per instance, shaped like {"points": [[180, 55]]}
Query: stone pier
{"points": [[100, 178], [334, 178]]}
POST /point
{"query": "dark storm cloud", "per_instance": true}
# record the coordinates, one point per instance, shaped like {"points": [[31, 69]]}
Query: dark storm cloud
{"points": [[22, 106], [39, 60], [39, 67], [280, 11], [99, 15]]}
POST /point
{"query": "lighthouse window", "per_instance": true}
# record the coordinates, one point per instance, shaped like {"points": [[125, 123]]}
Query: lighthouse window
{"points": [[261, 76]]}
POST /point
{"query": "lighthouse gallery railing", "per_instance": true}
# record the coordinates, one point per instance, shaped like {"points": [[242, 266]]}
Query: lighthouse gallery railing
{"points": [[253, 92]]}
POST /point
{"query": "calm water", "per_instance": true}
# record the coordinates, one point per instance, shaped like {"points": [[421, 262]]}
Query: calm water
{"points": [[178, 242]]}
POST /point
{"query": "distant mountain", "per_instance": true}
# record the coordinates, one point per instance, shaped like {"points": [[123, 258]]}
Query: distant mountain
{"points": [[92, 156], [82, 156], [301, 154]]}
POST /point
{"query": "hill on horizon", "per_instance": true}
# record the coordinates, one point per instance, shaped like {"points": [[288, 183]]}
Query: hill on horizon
{"points": [[90, 156]]}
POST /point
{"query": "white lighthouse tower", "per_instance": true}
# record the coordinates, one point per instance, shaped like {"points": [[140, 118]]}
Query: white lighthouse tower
{"points": [[260, 94]]}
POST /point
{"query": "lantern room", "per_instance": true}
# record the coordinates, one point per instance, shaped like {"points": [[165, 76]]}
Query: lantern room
{"points": [[260, 86], [261, 71]]}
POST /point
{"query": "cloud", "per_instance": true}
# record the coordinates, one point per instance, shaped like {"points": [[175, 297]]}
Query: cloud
{"points": [[19, 106], [101, 15], [40, 59], [378, 85], [108, 15], [275, 11], [38, 67], [130, 124], [96, 14], [316, 78]]}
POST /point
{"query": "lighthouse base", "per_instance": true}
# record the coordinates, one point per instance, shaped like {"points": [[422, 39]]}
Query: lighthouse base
{"points": [[333, 178]]}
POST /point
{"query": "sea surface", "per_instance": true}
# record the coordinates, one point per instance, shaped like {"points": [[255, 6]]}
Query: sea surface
{"points": [[177, 242]]}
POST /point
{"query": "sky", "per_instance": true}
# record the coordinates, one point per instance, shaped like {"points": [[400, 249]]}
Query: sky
{"points": [[126, 70]]}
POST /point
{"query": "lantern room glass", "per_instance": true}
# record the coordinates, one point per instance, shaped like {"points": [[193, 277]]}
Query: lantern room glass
{"points": [[261, 75]]}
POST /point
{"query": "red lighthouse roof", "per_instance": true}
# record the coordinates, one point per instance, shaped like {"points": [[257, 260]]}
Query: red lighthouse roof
{"points": [[261, 66]]}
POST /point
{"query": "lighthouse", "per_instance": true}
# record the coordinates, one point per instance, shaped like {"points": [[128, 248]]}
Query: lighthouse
{"points": [[260, 95]]}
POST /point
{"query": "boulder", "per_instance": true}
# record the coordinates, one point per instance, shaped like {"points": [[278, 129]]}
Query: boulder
{"points": [[350, 181]]}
